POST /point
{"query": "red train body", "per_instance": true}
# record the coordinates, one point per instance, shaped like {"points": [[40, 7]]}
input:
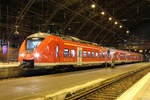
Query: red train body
{"points": [[46, 50]]}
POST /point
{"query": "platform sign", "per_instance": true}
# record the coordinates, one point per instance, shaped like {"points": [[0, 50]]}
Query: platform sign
{"points": [[5, 49]]}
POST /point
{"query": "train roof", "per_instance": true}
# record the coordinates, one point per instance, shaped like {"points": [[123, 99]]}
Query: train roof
{"points": [[71, 38], [74, 39], [65, 37], [39, 35]]}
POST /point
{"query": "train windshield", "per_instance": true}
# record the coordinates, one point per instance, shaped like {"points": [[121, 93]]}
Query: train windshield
{"points": [[32, 43]]}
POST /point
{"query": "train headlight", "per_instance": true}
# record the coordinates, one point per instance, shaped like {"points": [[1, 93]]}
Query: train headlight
{"points": [[22, 54], [36, 55]]}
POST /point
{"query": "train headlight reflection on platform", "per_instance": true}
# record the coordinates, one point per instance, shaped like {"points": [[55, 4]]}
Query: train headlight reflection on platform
{"points": [[22, 54], [36, 55]]}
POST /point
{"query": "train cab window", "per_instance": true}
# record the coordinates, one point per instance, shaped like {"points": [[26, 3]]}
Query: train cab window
{"points": [[72, 53], [96, 54], [89, 54], [32, 43], [93, 54], [66, 52], [84, 54], [57, 51]]}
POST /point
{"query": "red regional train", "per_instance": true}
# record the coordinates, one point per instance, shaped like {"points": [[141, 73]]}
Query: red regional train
{"points": [[41, 50]]}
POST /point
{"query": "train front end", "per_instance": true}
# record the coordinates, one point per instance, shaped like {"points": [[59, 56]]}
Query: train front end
{"points": [[29, 52]]}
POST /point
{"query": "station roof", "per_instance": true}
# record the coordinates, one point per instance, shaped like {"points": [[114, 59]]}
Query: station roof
{"points": [[107, 22]]}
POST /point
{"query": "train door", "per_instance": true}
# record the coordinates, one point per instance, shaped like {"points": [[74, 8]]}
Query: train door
{"points": [[108, 55], [119, 57], [57, 55], [126, 58], [79, 56]]}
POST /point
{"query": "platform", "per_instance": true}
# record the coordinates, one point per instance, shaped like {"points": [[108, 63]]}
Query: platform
{"points": [[139, 91], [9, 64], [57, 85], [10, 55], [10, 69]]}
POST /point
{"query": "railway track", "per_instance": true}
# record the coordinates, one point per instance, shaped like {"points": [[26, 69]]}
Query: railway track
{"points": [[110, 89]]}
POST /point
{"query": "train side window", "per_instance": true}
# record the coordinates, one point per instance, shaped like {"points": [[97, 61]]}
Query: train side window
{"points": [[57, 51], [97, 54], [103, 55], [66, 52], [84, 54], [100, 54], [89, 54], [72, 53], [93, 54]]}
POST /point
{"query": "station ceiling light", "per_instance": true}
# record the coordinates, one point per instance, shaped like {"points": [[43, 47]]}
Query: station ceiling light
{"points": [[93, 6], [127, 32], [16, 32], [110, 18], [116, 22], [120, 26], [140, 51], [102, 13]]}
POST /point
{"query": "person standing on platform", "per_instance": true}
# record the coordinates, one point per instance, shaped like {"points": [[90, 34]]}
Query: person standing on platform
{"points": [[112, 61]]}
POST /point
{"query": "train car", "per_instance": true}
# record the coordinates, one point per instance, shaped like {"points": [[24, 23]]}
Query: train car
{"points": [[41, 50]]}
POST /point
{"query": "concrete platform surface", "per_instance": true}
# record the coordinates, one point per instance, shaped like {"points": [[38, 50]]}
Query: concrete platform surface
{"points": [[10, 64], [48, 85], [139, 91]]}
